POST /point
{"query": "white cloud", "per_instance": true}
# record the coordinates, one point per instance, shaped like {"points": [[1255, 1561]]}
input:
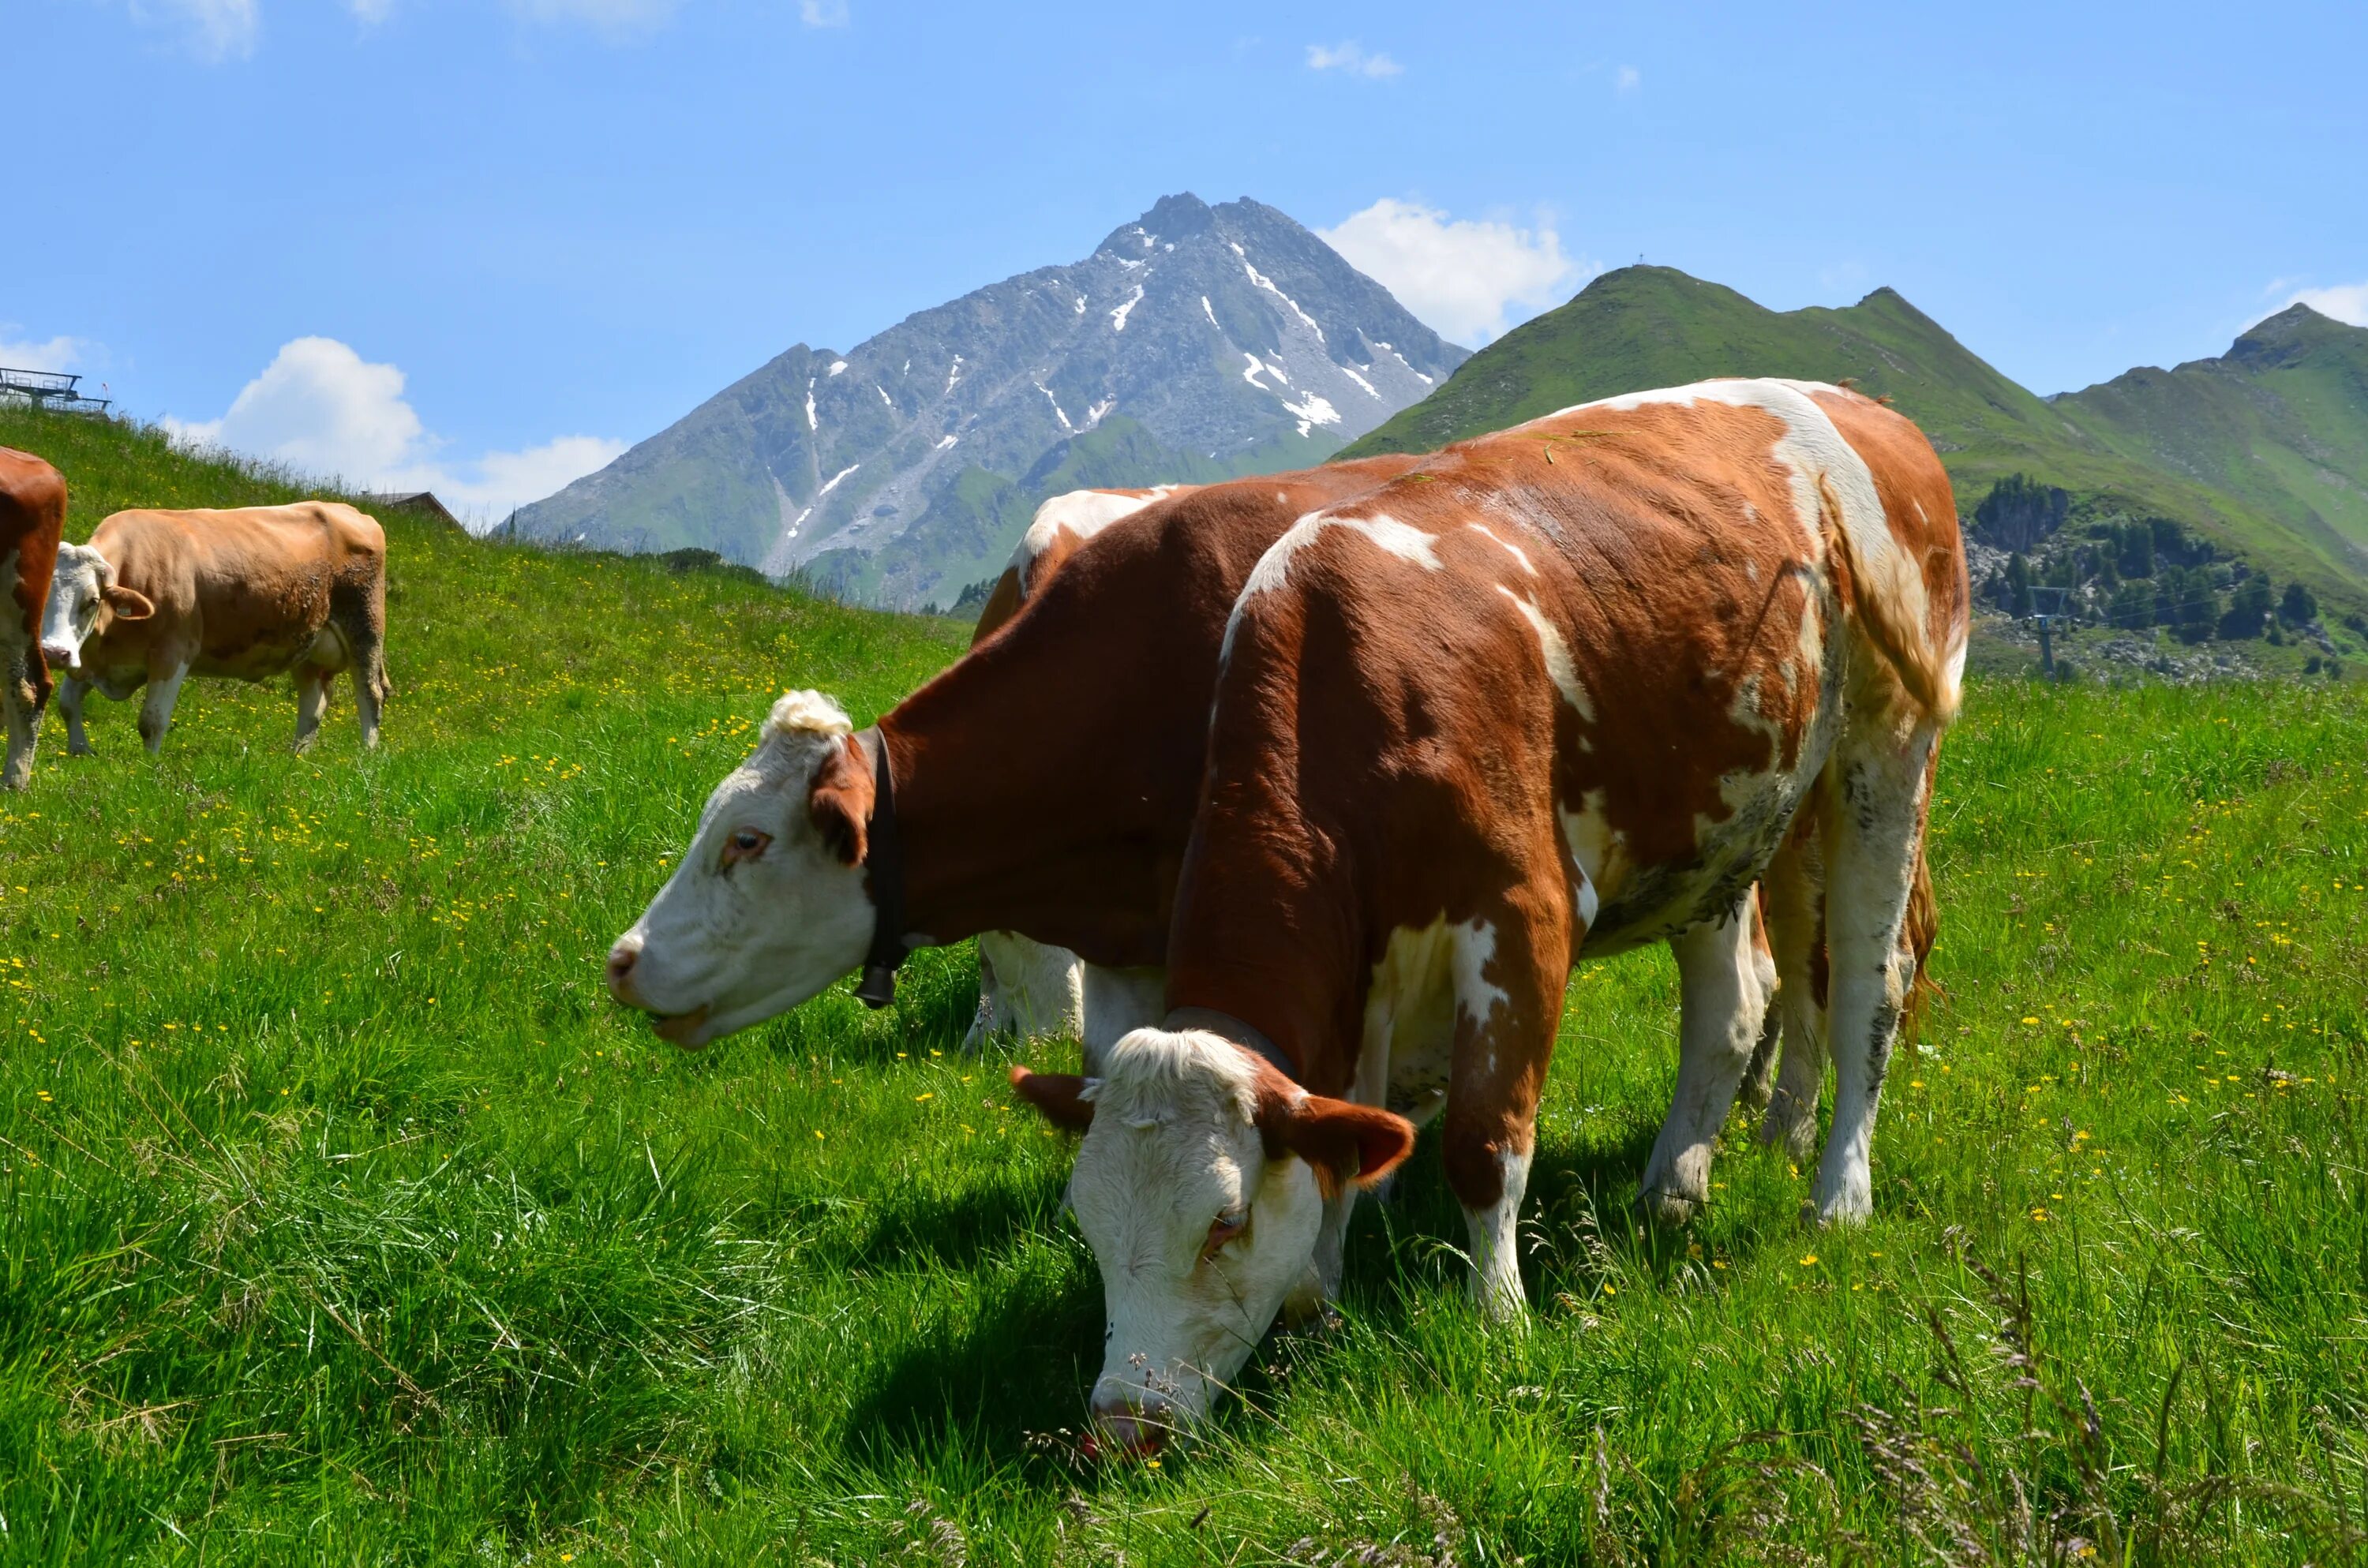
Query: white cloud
{"points": [[1628, 80], [503, 482], [2343, 302], [1459, 276], [60, 353], [216, 29], [370, 13], [1351, 58], [321, 408], [617, 18], [823, 13]]}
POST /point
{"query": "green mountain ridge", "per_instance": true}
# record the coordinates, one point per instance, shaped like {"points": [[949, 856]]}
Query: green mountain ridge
{"points": [[2263, 451]]}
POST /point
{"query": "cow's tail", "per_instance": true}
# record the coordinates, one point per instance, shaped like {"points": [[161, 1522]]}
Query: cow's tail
{"points": [[1883, 592]]}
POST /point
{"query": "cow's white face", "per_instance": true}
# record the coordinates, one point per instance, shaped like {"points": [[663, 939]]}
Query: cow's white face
{"points": [[1200, 1187], [770, 903], [84, 595]]}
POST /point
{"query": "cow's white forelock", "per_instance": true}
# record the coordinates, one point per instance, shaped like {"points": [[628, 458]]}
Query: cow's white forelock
{"points": [[1162, 1074], [807, 714]]}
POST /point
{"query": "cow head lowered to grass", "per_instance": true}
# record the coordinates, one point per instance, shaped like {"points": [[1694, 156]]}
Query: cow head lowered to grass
{"points": [[770, 903], [1243, 1160]]}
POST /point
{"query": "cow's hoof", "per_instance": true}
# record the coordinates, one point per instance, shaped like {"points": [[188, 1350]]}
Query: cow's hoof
{"points": [[1669, 1209], [1843, 1209], [80, 748]]}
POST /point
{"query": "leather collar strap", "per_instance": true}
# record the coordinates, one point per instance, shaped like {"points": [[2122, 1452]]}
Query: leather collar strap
{"points": [[1233, 1029], [884, 861]]}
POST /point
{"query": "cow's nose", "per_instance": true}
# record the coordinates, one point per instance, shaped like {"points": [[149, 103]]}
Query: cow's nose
{"points": [[621, 958], [1131, 1431], [57, 658]]}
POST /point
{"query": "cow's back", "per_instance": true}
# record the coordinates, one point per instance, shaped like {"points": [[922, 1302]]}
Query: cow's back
{"points": [[1645, 608]]}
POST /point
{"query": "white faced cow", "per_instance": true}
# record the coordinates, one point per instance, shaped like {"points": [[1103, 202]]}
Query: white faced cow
{"points": [[157, 597], [1043, 784]]}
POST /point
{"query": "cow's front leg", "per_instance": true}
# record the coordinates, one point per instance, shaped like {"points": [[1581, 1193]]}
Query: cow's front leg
{"points": [[1876, 829], [1510, 974], [71, 690], [157, 709], [312, 701], [1719, 1011]]}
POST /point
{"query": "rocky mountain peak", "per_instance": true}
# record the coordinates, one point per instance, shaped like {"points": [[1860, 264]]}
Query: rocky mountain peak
{"points": [[1195, 343]]}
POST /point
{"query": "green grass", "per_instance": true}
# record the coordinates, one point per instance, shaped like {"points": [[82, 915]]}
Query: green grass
{"points": [[341, 1220]]}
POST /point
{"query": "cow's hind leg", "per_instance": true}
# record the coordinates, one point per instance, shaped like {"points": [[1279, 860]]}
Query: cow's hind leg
{"points": [[1796, 918], [312, 701], [360, 614], [21, 697], [1759, 1078], [1873, 827], [1720, 1012], [1510, 970], [157, 708]]}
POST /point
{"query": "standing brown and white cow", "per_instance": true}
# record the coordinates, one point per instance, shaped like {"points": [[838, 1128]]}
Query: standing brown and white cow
{"points": [[157, 597], [1045, 784], [1560, 691], [1027, 988], [32, 518]]}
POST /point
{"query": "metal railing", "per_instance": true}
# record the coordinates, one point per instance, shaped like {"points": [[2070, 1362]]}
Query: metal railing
{"points": [[56, 391]]}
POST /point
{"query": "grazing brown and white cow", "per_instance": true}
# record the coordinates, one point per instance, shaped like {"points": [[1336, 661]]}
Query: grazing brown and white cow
{"points": [[1026, 988], [1558, 692], [1045, 784], [32, 518], [156, 596]]}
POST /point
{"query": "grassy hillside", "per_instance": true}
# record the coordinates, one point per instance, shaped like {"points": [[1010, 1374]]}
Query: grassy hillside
{"points": [[2281, 423], [2298, 442], [341, 1220]]}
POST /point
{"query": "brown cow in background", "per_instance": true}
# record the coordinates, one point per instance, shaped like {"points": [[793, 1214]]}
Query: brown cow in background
{"points": [[156, 596], [32, 518]]}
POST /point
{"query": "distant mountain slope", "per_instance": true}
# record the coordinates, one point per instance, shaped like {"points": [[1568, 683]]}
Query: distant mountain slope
{"points": [[2280, 423], [1196, 343], [2261, 451]]}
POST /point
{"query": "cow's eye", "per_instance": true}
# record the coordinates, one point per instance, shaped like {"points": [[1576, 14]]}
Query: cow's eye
{"points": [[1224, 1228], [745, 844]]}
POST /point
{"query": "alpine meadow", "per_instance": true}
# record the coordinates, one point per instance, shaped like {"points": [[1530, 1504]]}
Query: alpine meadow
{"points": [[347, 1221]]}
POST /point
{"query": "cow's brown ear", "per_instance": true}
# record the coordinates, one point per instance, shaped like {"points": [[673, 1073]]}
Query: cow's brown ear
{"points": [[1060, 1096], [1342, 1141], [128, 603], [840, 801]]}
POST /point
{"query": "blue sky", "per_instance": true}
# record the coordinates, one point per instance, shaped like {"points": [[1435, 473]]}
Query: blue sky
{"points": [[482, 242]]}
